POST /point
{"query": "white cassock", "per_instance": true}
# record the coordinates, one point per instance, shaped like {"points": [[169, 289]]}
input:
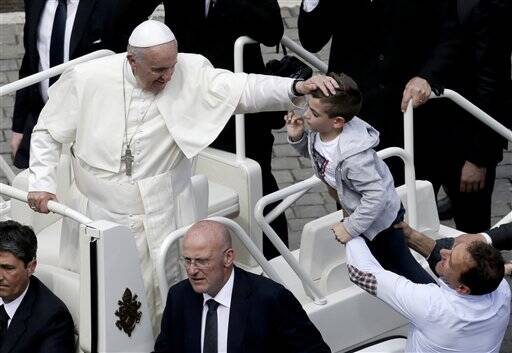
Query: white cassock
{"points": [[86, 109]]}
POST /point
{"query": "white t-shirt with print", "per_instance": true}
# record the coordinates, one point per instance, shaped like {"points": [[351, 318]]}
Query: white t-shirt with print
{"points": [[326, 157]]}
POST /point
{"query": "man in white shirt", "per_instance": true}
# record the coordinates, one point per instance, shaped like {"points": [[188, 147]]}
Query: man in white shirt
{"points": [[135, 121], [32, 318], [467, 312], [222, 308]]}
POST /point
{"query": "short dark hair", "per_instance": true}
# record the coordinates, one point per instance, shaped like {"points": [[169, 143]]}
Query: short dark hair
{"points": [[347, 100], [19, 240], [488, 270]]}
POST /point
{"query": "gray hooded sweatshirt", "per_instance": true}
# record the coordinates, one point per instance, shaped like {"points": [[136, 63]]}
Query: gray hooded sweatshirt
{"points": [[364, 183]]}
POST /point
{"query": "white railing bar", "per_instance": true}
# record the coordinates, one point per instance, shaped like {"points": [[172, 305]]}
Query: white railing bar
{"points": [[6, 169], [53, 206], [304, 54], [410, 180], [54, 71], [476, 112], [237, 231], [287, 202], [315, 294], [240, 118]]}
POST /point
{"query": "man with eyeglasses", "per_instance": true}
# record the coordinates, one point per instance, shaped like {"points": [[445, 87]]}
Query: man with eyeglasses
{"points": [[222, 308]]}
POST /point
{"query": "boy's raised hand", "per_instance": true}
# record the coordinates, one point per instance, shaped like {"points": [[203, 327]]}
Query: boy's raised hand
{"points": [[340, 233], [294, 126]]}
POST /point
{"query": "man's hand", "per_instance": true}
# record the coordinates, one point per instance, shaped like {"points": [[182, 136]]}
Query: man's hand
{"points": [[417, 89], [38, 200], [508, 268], [468, 238], [340, 233], [16, 138], [472, 178], [326, 84], [294, 126]]}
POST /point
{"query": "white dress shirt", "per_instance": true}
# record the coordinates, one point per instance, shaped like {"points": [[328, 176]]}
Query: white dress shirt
{"points": [[224, 300], [440, 319], [44, 35], [11, 307]]}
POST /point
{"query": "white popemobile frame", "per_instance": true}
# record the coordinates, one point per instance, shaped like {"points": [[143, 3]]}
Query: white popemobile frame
{"points": [[103, 278]]}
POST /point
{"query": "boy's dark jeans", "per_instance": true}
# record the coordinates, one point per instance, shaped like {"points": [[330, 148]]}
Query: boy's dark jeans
{"points": [[390, 249]]}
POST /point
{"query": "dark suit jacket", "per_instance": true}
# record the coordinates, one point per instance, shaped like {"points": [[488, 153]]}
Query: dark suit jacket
{"points": [[501, 236], [88, 28], [382, 44], [42, 324], [264, 317]]}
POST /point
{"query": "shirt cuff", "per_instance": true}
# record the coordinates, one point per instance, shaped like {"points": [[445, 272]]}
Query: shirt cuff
{"points": [[309, 5], [487, 238]]}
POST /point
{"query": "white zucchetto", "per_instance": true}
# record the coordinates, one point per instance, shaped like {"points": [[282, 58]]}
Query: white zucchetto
{"points": [[150, 33]]}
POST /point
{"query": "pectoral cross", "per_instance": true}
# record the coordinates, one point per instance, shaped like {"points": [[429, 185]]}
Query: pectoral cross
{"points": [[128, 160]]}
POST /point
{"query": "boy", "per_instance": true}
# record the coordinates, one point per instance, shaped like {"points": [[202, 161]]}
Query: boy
{"points": [[342, 149]]}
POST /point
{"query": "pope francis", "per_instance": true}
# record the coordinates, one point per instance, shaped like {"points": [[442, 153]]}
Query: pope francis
{"points": [[134, 121]]}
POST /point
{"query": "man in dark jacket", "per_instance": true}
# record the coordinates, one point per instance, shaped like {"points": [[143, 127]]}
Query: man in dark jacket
{"points": [[395, 51], [32, 318], [222, 308], [54, 32]]}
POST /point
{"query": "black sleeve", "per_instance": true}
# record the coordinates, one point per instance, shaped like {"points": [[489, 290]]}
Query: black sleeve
{"points": [[163, 342], [59, 334], [447, 45], [295, 328], [501, 236], [258, 19], [127, 14], [315, 27], [491, 18]]}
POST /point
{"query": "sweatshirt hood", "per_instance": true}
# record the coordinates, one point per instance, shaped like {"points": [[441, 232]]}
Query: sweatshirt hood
{"points": [[357, 136]]}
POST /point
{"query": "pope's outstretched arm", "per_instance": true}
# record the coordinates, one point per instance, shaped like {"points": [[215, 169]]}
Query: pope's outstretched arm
{"points": [[273, 93]]}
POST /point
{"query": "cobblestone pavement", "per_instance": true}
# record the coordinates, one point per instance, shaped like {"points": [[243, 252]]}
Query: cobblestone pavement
{"points": [[288, 168]]}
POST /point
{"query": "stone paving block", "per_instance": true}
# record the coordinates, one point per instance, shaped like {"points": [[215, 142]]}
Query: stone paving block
{"points": [[5, 122], [285, 151], [507, 158], [284, 185], [290, 22], [283, 176], [331, 207], [285, 163], [501, 208], [7, 37], [11, 51], [4, 147], [285, 12], [305, 162], [295, 11], [12, 75], [298, 224], [314, 211], [302, 174], [280, 137], [294, 240], [504, 171], [3, 78], [9, 64], [310, 199], [289, 213], [292, 34]]}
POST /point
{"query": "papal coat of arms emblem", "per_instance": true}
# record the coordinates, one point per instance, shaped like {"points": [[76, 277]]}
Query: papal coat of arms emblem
{"points": [[128, 312]]}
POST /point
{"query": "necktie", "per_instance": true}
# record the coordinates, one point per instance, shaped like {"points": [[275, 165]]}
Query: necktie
{"points": [[57, 39], [4, 318], [210, 329]]}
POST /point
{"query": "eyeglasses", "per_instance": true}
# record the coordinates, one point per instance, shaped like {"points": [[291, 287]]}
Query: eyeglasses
{"points": [[199, 263]]}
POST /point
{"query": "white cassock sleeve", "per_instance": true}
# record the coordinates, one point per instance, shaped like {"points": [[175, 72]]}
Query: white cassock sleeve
{"points": [[44, 159], [263, 93]]}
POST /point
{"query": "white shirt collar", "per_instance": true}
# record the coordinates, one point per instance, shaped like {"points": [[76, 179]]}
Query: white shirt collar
{"points": [[224, 295], [10, 308]]}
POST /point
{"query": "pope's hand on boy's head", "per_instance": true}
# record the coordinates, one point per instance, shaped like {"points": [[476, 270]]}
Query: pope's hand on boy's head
{"points": [[325, 83], [340, 233]]}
